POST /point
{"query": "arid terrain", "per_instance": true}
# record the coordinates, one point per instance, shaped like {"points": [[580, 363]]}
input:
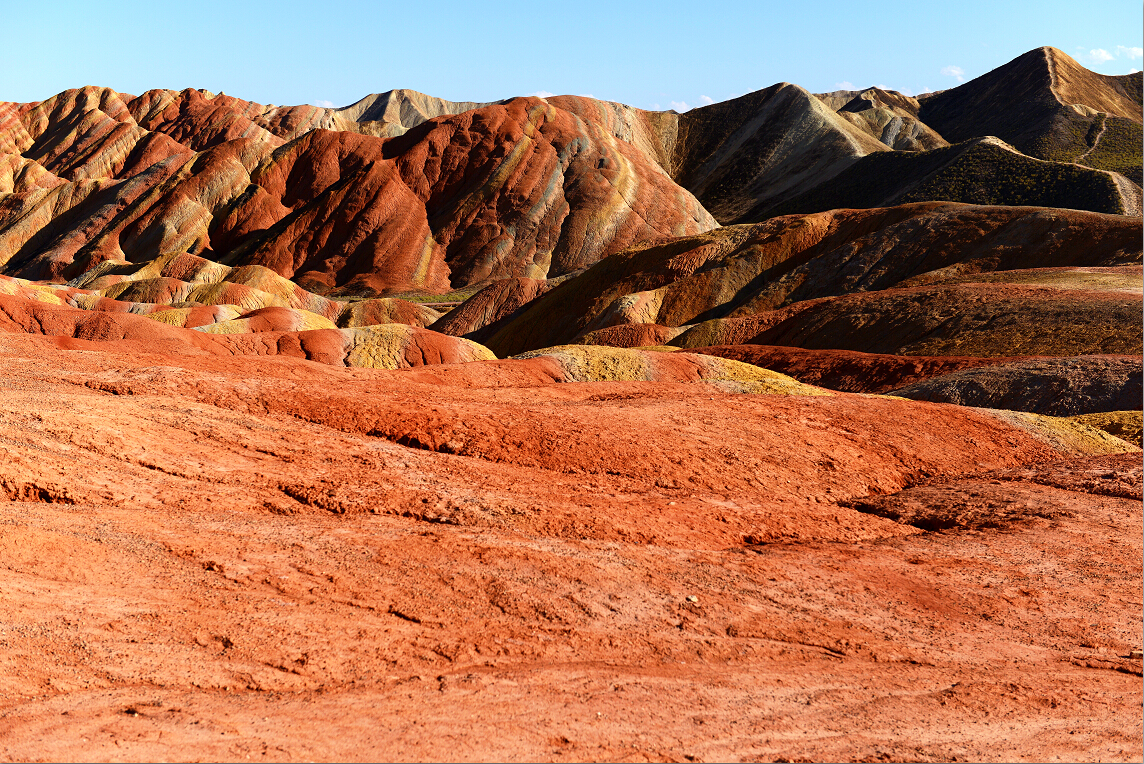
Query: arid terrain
{"points": [[792, 428]]}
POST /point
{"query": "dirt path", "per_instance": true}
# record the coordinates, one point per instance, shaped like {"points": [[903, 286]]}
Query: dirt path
{"points": [[1130, 195], [1096, 141]]}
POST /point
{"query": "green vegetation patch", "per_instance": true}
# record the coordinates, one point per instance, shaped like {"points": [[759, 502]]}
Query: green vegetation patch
{"points": [[975, 174], [1119, 148], [992, 175]]}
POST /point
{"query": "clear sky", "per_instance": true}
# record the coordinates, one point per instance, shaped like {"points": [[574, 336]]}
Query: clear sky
{"points": [[653, 55]]}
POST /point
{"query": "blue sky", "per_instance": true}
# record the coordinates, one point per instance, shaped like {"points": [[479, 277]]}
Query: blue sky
{"points": [[652, 55]]}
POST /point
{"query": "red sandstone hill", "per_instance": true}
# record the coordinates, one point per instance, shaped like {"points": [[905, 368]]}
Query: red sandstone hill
{"points": [[515, 189]]}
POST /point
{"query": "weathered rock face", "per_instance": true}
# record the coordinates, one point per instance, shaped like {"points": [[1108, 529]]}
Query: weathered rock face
{"points": [[519, 189], [526, 189], [755, 151], [484, 313], [887, 115], [744, 270]]}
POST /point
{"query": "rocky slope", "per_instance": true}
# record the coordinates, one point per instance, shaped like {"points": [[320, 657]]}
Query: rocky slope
{"points": [[746, 270], [514, 189], [223, 555]]}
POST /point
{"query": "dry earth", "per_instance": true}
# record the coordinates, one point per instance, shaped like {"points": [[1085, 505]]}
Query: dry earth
{"points": [[203, 562]]}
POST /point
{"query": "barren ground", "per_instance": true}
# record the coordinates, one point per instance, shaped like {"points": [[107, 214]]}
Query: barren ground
{"points": [[253, 565]]}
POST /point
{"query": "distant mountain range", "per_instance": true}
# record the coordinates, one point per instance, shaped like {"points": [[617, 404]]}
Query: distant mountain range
{"points": [[403, 193]]}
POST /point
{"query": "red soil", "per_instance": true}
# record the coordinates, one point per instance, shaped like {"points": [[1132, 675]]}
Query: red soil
{"points": [[228, 557]]}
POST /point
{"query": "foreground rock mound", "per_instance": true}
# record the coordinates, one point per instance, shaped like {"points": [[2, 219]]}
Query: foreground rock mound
{"points": [[387, 346], [579, 363]]}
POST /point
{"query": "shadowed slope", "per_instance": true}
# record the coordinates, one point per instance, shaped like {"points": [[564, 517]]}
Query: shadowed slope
{"points": [[1058, 387], [978, 171], [1043, 103], [760, 149], [848, 370], [742, 270], [985, 320]]}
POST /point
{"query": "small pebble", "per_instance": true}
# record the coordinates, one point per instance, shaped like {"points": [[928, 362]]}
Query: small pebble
{"points": [[692, 598]]}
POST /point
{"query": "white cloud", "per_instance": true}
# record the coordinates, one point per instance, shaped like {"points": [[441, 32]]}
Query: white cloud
{"points": [[655, 107], [1133, 71], [541, 94], [844, 85], [324, 104], [1100, 55], [679, 106], [1132, 53], [587, 95], [954, 71], [707, 100], [925, 90]]}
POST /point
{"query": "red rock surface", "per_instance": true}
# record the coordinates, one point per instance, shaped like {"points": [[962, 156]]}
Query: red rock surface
{"points": [[486, 311], [634, 336], [134, 178], [231, 555]]}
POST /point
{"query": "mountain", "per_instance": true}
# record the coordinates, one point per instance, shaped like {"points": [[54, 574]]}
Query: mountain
{"points": [[772, 152], [977, 171], [887, 115], [521, 188], [755, 270], [1049, 107], [761, 148]]}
